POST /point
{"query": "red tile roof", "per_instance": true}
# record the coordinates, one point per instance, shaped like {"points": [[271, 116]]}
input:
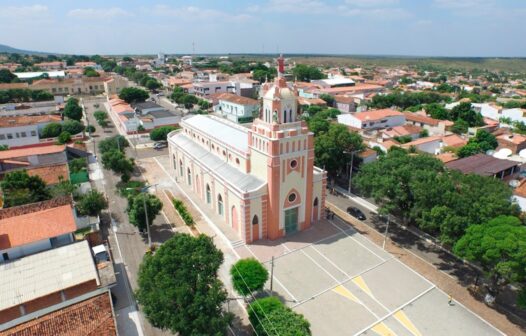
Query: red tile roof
{"points": [[14, 153], [91, 317], [51, 174], [235, 99], [376, 114], [28, 120], [416, 117], [33, 222], [454, 140]]}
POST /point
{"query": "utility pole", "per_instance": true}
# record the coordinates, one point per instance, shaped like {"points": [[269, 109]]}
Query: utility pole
{"points": [[350, 171], [147, 221], [386, 231], [271, 273]]}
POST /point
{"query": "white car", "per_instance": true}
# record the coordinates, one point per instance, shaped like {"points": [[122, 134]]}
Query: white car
{"points": [[100, 253]]}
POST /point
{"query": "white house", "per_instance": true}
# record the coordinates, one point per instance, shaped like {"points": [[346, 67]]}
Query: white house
{"points": [[205, 89], [374, 119], [24, 130], [236, 108]]}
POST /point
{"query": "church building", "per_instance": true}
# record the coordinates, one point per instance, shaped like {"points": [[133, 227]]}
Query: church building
{"points": [[261, 180]]}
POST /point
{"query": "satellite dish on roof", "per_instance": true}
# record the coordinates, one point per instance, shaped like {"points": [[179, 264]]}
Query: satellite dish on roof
{"points": [[490, 152], [514, 183], [506, 152], [522, 153]]}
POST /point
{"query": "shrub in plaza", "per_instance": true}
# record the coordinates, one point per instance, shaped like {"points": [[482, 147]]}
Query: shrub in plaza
{"points": [[72, 110], [183, 212], [72, 126], [100, 115], [270, 317], [248, 276], [179, 290], [117, 142]]}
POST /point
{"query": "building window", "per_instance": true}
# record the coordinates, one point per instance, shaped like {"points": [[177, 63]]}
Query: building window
{"points": [[189, 176], [175, 163], [23, 134], [292, 197], [255, 220], [2, 136], [208, 194], [224, 153], [293, 164], [220, 204], [315, 202], [9, 136], [181, 172], [237, 161], [33, 133]]}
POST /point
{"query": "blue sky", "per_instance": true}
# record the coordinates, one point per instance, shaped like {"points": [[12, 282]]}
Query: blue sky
{"points": [[393, 27]]}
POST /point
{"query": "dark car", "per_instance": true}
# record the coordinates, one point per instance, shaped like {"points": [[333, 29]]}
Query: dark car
{"points": [[355, 212]]}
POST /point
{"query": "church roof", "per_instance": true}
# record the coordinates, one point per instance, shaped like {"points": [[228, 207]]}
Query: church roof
{"points": [[217, 166], [224, 131]]}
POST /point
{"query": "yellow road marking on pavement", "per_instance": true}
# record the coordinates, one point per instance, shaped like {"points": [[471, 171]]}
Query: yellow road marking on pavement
{"points": [[406, 322], [383, 330], [345, 293], [360, 282]]}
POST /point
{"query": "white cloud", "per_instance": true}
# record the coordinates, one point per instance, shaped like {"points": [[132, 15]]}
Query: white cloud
{"points": [[23, 11], [371, 3], [389, 13], [292, 7], [196, 13], [98, 13], [463, 4]]}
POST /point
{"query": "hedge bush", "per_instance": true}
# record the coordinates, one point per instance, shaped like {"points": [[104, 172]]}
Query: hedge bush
{"points": [[183, 212]]}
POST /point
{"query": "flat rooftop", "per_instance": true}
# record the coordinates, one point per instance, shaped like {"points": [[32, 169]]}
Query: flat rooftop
{"points": [[44, 273]]}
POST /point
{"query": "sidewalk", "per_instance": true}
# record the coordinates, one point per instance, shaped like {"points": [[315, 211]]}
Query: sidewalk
{"points": [[441, 280]]}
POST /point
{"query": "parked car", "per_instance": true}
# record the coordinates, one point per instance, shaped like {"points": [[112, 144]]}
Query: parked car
{"points": [[160, 144], [356, 213]]}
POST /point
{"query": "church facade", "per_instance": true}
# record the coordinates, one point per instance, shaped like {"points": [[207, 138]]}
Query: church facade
{"points": [[261, 180]]}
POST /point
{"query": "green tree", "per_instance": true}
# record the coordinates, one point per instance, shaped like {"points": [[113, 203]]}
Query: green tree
{"points": [[136, 209], [437, 111], [460, 127], [72, 110], [485, 140], [133, 95], [152, 84], [329, 147], [419, 190], [92, 203], [90, 72], [248, 276], [77, 165], [90, 129], [6, 76], [318, 125], [20, 188], [306, 73], [118, 162], [328, 99], [117, 142], [51, 130], [64, 137], [271, 318], [100, 115], [499, 246], [189, 100], [72, 126], [161, 133], [469, 150], [463, 111], [179, 289]]}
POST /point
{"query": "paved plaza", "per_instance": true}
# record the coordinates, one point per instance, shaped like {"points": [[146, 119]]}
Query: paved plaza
{"points": [[346, 285], [342, 282]]}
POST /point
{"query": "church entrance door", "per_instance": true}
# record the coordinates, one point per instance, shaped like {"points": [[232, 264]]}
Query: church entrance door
{"points": [[291, 220]]}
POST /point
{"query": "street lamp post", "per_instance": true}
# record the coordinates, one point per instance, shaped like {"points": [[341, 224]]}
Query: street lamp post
{"points": [[350, 168], [386, 232], [143, 190]]}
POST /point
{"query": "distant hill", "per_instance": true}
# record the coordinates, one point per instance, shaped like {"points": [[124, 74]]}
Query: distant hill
{"points": [[7, 49]]}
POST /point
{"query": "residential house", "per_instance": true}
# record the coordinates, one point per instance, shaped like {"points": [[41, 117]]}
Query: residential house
{"points": [[433, 126], [486, 165], [115, 84], [20, 131], [236, 108], [151, 115], [431, 144], [374, 119], [36, 227], [48, 162], [57, 65], [84, 85], [345, 104], [123, 115], [514, 142], [401, 131], [206, 89], [453, 140]]}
